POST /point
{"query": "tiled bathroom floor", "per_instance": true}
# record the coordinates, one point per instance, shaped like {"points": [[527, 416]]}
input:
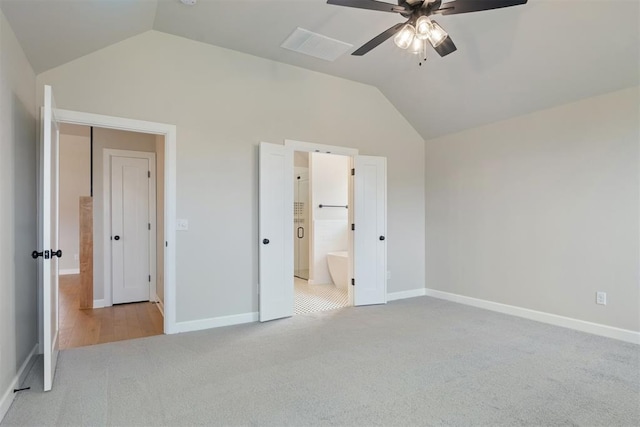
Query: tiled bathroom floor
{"points": [[314, 298]]}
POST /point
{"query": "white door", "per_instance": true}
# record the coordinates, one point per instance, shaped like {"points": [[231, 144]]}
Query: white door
{"points": [[131, 229], [275, 231], [48, 238], [369, 237]]}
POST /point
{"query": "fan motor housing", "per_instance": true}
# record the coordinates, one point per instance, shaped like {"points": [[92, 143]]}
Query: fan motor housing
{"points": [[420, 8]]}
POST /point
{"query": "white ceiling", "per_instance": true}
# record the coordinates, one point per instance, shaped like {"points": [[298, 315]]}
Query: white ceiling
{"points": [[509, 61]]}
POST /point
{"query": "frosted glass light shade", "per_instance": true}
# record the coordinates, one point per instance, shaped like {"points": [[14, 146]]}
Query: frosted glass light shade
{"points": [[436, 34], [405, 37], [417, 46], [423, 28]]}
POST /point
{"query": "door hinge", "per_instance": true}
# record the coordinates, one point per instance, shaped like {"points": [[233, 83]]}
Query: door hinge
{"points": [[353, 282], [149, 224], [149, 278], [149, 174], [353, 172], [353, 227]]}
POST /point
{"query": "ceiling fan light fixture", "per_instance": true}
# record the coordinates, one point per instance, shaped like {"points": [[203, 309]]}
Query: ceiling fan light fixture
{"points": [[417, 47], [418, 25], [423, 28], [405, 37], [436, 34]]}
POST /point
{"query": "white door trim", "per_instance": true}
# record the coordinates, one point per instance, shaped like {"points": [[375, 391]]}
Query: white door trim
{"points": [[108, 153], [312, 147], [170, 138]]}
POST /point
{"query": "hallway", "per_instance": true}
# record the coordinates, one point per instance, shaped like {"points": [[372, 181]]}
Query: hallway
{"points": [[80, 328]]}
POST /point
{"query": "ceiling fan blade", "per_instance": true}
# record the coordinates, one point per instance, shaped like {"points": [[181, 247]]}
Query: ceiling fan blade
{"points": [[466, 6], [377, 40], [371, 5], [446, 47]]}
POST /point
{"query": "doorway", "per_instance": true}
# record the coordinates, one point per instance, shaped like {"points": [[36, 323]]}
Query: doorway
{"points": [[118, 187], [321, 232], [367, 248], [48, 290]]}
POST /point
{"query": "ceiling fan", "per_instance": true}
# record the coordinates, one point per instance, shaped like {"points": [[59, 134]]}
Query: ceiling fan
{"points": [[419, 28]]}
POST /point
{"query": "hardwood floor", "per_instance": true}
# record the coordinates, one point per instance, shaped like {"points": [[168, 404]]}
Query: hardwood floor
{"points": [[80, 328]]}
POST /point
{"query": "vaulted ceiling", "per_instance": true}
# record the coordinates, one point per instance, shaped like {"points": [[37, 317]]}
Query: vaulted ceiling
{"points": [[509, 61]]}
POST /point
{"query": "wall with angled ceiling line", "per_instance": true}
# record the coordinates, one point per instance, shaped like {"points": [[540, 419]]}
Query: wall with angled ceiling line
{"points": [[542, 211], [224, 103]]}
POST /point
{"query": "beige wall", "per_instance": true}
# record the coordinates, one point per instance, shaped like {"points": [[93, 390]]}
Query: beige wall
{"points": [[18, 225], [223, 104], [118, 140], [541, 211], [75, 182]]}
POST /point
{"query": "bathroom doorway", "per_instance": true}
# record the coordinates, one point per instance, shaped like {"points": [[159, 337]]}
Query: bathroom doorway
{"points": [[366, 227], [321, 231]]}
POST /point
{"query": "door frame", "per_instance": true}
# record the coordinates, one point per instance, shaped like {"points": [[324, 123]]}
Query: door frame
{"points": [[108, 153], [311, 147], [169, 132]]}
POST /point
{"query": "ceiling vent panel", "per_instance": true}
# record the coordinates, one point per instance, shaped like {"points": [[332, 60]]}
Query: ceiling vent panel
{"points": [[316, 45]]}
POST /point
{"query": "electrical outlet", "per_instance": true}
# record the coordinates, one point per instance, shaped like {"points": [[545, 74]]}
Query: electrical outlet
{"points": [[388, 274], [76, 257], [601, 298], [182, 224]]}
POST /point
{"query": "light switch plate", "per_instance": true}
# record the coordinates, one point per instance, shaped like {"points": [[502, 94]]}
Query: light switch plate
{"points": [[182, 224]]}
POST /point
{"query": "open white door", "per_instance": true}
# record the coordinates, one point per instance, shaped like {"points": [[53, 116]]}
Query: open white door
{"points": [[369, 237], [275, 231], [48, 279]]}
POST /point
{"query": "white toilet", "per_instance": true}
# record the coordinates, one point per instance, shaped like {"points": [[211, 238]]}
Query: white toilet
{"points": [[339, 268]]}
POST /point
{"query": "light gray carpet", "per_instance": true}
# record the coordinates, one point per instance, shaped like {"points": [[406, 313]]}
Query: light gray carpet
{"points": [[420, 361]]}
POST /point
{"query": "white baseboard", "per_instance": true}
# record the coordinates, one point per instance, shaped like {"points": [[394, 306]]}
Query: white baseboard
{"points": [[68, 271], [540, 316], [392, 296], [9, 395], [215, 322], [160, 305], [99, 303]]}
